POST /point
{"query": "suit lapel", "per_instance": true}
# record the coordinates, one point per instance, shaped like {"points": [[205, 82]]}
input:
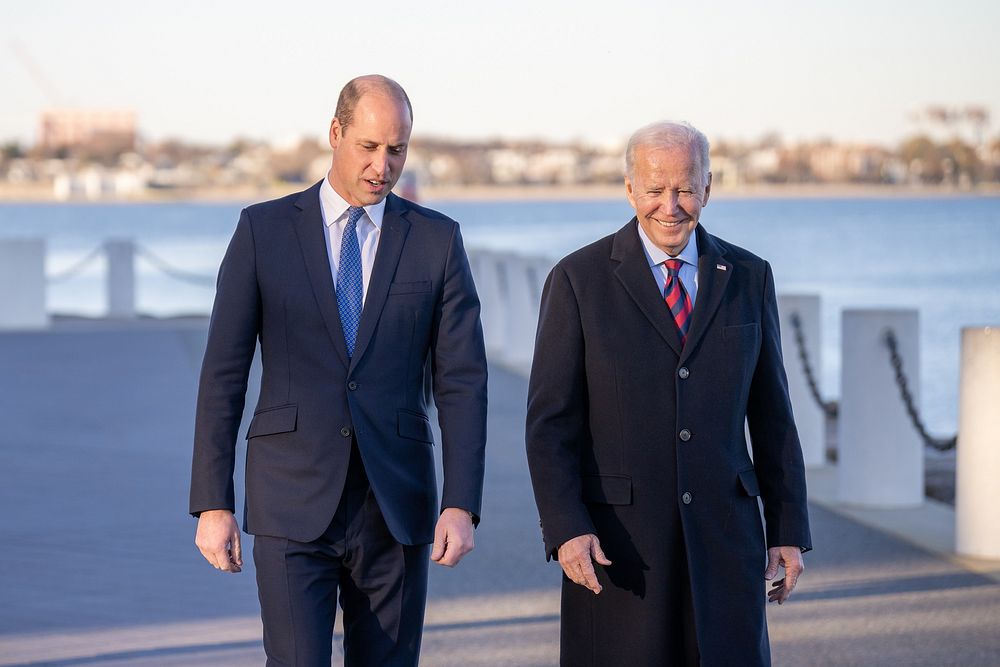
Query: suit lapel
{"points": [[634, 273], [390, 247], [713, 276], [312, 240]]}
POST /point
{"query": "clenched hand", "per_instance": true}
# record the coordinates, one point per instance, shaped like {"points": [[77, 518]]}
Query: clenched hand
{"points": [[218, 539]]}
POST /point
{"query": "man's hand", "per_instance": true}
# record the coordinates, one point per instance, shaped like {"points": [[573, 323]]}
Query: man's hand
{"points": [[576, 556], [452, 537], [789, 558], [218, 539]]}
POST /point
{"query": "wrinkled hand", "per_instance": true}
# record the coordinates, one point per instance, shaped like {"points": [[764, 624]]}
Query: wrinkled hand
{"points": [[452, 537], [576, 557], [218, 539], [789, 558]]}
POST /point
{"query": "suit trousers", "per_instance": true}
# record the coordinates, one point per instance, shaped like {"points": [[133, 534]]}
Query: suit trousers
{"points": [[382, 588]]}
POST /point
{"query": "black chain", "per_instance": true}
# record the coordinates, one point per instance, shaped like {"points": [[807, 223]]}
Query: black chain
{"points": [[830, 408], [173, 272], [940, 444]]}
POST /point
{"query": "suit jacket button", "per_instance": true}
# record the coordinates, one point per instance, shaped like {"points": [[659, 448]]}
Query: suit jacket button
{"points": [[685, 435], [683, 372], [346, 432], [687, 498], [352, 385]]}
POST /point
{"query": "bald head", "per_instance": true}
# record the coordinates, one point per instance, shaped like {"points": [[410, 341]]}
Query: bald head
{"points": [[362, 85]]}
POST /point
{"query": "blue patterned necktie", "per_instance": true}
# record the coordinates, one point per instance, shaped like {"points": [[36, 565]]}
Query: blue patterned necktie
{"points": [[350, 280]]}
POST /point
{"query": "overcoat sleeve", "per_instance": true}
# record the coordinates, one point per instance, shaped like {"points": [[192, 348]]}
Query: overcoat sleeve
{"points": [[776, 452], [557, 424]]}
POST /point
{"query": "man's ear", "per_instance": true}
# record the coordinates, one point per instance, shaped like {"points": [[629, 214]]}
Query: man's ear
{"points": [[629, 194], [336, 133], [708, 188]]}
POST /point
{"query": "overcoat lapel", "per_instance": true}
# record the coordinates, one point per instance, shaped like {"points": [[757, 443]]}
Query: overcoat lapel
{"points": [[312, 240], [390, 247], [713, 276], [633, 272]]}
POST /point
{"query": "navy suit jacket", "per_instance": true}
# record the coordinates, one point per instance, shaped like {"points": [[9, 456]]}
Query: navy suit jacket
{"points": [[275, 286]]}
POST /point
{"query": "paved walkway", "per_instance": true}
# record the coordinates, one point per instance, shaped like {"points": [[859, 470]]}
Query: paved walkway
{"points": [[97, 565]]}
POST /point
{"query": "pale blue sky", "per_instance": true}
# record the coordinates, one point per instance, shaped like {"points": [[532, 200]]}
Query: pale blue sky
{"points": [[849, 70]]}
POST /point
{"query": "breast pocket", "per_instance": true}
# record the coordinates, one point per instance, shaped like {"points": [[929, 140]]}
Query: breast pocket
{"points": [[742, 332]]}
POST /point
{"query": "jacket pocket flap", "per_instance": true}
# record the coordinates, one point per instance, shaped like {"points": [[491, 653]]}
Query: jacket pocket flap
{"points": [[737, 330], [273, 420], [410, 288], [607, 489], [414, 426], [748, 479]]}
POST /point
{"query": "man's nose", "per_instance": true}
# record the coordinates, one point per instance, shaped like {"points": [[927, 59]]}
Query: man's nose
{"points": [[670, 202], [380, 163]]}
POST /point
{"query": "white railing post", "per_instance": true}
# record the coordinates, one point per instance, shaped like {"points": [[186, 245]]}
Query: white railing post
{"points": [[810, 419], [120, 278], [880, 461], [22, 284], [490, 284], [977, 472]]}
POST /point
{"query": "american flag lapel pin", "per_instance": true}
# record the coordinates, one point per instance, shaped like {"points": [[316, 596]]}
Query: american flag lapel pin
{"points": [[720, 267]]}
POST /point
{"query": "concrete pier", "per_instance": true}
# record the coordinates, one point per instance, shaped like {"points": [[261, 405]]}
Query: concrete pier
{"points": [[98, 566]]}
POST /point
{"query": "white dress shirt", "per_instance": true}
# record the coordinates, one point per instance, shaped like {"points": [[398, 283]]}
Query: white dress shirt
{"points": [[369, 229], [689, 267]]}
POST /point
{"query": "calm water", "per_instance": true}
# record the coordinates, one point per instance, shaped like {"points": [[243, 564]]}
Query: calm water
{"points": [[941, 256]]}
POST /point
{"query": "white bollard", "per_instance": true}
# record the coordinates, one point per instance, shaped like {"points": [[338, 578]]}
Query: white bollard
{"points": [[880, 460], [810, 420], [524, 297], [487, 272], [22, 284], [120, 278], [977, 489]]}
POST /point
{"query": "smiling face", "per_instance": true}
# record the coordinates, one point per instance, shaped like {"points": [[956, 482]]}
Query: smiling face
{"points": [[667, 188], [368, 154]]}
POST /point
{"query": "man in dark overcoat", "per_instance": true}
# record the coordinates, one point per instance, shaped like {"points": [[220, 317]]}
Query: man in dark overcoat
{"points": [[655, 346]]}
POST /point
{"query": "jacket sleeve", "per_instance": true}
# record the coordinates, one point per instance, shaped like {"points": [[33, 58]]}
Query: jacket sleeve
{"points": [[775, 441], [232, 338], [557, 421], [458, 366]]}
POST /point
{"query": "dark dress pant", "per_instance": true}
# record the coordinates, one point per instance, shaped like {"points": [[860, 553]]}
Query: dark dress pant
{"points": [[382, 587]]}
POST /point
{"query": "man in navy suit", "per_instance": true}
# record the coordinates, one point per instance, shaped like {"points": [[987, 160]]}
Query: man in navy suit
{"points": [[654, 346], [350, 291]]}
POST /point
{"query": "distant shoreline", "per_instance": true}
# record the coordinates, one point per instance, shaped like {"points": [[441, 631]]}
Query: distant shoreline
{"points": [[43, 195]]}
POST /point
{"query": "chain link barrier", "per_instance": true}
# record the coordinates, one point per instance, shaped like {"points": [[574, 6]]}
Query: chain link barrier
{"points": [[166, 268], [829, 408], [940, 444], [77, 268]]}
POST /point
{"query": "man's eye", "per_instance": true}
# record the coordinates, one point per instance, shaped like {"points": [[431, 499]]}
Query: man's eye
{"points": [[398, 150]]}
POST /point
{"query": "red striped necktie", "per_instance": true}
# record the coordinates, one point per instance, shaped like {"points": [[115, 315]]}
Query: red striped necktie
{"points": [[677, 298]]}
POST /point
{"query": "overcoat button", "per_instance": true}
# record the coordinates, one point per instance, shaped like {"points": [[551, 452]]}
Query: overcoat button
{"points": [[686, 498], [685, 435], [346, 432], [683, 372], [352, 385]]}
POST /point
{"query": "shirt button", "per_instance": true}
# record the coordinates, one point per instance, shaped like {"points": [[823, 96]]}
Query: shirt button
{"points": [[685, 435], [683, 372], [352, 385], [687, 498], [346, 432]]}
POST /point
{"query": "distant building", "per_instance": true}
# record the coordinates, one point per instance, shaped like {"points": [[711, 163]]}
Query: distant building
{"points": [[69, 128]]}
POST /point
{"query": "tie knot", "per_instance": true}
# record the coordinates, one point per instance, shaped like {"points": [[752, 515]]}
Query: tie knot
{"points": [[354, 214], [673, 266]]}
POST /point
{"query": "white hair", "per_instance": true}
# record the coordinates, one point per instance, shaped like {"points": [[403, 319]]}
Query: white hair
{"points": [[668, 134]]}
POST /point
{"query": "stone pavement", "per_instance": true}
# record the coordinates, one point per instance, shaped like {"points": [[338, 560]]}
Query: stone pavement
{"points": [[98, 567]]}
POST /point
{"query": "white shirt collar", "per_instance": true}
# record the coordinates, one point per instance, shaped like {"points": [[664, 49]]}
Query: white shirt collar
{"points": [[334, 207], [656, 256]]}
